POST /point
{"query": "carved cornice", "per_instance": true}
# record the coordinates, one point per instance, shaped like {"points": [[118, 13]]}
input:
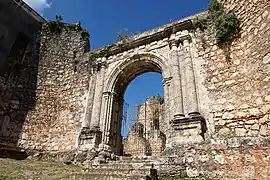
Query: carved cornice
{"points": [[138, 41]]}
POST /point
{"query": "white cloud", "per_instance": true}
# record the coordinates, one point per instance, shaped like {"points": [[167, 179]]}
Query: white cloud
{"points": [[38, 5]]}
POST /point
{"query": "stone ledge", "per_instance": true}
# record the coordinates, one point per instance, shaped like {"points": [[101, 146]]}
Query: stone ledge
{"points": [[10, 150], [145, 38]]}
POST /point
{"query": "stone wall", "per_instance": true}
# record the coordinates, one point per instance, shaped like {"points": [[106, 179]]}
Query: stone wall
{"points": [[19, 58], [44, 99], [63, 77], [231, 159], [234, 83], [136, 144], [151, 114]]}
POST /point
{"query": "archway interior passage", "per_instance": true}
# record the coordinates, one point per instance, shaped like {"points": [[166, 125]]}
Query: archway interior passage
{"points": [[145, 85]]}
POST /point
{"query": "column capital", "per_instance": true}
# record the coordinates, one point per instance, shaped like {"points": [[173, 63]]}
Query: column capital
{"points": [[186, 41], [174, 44], [103, 64], [99, 65], [108, 93], [166, 81]]}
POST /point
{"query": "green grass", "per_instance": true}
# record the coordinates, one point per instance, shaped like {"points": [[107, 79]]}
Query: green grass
{"points": [[27, 169]]}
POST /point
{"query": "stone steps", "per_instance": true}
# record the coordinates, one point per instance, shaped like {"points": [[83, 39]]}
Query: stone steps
{"points": [[118, 171], [122, 168], [96, 176], [124, 165]]}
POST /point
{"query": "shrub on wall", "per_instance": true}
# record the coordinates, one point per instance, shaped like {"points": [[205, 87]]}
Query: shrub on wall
{"points": [[56, 25], [85, 34], [226, 24]]}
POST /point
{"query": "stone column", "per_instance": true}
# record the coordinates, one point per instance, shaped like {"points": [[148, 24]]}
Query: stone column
{"points": [[96, 112], [177, 93], [167, 99], [90, 99], [119, 119], [188, 81], [107, 116], [105, 109]]}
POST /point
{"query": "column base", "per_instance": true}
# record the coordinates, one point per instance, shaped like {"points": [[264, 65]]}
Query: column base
{"points": [[187, 131], [194, 114], [89, 138]]}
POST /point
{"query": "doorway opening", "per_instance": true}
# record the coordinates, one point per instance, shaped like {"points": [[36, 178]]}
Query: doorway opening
{"points": [[143, 122]]}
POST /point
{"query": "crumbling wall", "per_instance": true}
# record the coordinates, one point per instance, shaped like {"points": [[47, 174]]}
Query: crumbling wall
{"points": [[234, 87], [151, 114], [136, 144], [230, 159], [63, 77], [234, 83], [151, 117]]}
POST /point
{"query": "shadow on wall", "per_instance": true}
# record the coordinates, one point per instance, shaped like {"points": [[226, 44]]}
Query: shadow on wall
{"points": [[18, 82]]}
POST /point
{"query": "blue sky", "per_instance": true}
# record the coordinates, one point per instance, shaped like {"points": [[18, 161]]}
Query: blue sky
{"points": [[104, 18]]}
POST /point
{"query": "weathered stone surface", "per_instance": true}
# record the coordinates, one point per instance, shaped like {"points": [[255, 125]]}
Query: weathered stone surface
{"points": [[136, 144], [266, 59], [240, 131], [66, 101], [225, 132], [264, 119], [264, 131], [152, 117], [192, 172], [64, 88], [266, 109]]}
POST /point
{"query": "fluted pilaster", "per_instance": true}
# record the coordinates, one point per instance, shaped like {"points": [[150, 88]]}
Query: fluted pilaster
{"points": [[96, 113], [188, 81], [177, 93]]}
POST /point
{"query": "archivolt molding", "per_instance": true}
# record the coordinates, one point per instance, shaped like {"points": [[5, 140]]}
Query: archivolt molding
{"points": [[159, 63]]}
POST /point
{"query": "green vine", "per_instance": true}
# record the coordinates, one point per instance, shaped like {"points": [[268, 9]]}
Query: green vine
{"points": [[225, 23]]}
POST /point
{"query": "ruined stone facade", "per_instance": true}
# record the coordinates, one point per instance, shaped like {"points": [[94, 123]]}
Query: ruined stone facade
{"points": [[151, 131], [74, 96]]}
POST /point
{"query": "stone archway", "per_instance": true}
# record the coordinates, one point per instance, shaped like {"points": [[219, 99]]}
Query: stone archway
{"points": [[117, 83], [168, 52]]}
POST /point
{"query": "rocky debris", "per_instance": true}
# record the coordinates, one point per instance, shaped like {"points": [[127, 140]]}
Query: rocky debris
{"points": [[68, 158], [80, 157]]}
